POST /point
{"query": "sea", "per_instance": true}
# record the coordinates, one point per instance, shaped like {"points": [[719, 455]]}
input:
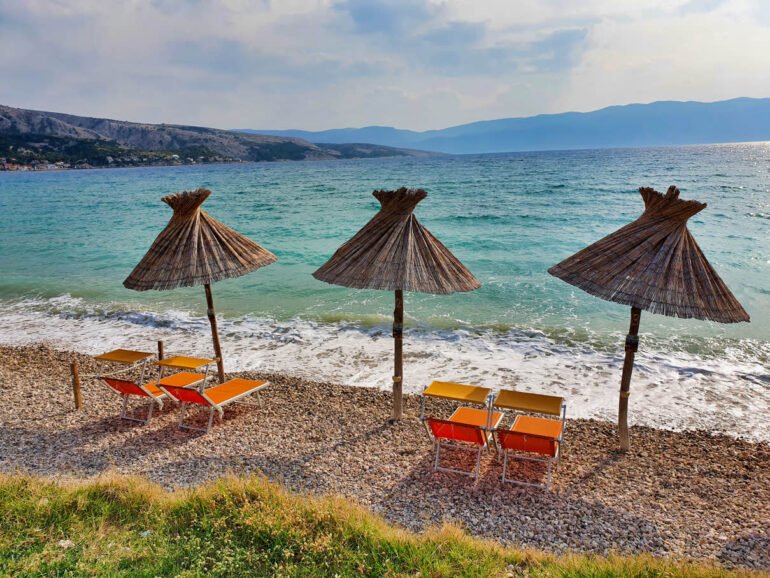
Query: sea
{"points": [[68, 239]]}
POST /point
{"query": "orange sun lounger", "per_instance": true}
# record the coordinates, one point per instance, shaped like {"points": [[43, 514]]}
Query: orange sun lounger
{"points": [[466, 425], [535, 435], [151, 390], [215, 397], [530, 434]]}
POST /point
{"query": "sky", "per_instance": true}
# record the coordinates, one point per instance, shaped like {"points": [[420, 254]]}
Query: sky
{"points": [[413, 64]]}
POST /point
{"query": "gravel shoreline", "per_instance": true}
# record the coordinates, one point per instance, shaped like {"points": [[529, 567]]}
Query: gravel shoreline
{"points": [[676, 494]]}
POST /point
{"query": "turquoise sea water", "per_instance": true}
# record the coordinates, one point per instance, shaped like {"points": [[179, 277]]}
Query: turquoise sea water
{"points": [[68, 239]]}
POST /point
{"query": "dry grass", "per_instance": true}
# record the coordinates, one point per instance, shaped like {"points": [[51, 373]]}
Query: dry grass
{"points": [[120, 525]]}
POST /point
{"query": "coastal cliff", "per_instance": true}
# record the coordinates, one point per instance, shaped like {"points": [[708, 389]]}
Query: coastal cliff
{"points": [[34, 138]]}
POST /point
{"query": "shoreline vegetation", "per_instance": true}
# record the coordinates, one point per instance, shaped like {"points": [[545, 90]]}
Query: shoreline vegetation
{"points": [[250, 526], [676, 498], [42, 166]]}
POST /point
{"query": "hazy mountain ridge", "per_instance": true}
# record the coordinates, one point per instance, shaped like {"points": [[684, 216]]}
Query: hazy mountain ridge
{"points": [[657, 123], [53, 133]]}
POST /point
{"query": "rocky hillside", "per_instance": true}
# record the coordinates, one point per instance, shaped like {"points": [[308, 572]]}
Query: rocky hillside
{"points": [[27, 135]]}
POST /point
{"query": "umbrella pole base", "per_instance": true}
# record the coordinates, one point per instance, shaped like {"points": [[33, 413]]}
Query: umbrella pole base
{"points": [[397, 400]]}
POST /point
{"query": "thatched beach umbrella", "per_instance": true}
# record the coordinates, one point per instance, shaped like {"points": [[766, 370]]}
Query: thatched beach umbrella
{"points": [[394, 252], [655, 264], [195, 249]]}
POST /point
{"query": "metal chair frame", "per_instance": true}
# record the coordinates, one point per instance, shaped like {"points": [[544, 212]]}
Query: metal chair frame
{"points": [[487, 431], [153, 401], [486, 435], [473, 474], [203, 429]]}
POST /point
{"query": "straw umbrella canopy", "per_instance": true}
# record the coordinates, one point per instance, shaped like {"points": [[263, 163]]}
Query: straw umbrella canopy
{"points": [[195, 249], [654, 264], [394, 252]]}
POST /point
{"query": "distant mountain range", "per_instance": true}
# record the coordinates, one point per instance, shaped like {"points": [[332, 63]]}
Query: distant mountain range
{"points": [[36, 137], [658, 123]]}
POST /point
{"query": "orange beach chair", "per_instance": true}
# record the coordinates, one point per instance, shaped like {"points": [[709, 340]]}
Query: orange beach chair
{"points": [[215, 397], [150, 390], [530, 434], [467, 426]]}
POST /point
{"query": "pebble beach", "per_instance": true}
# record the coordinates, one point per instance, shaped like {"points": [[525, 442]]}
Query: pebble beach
{"points": [[689, 494]]}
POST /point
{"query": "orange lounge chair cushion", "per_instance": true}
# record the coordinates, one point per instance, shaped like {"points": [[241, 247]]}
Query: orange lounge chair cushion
{"points": [[475, 417], [531, 402], [127, 356], [457, 391], [229, 390], [183, 362], [183, 379], [532, 434], [460, 432]]}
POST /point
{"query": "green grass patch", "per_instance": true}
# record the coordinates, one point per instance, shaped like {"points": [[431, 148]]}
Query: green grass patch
{"points": [[250, 526]]}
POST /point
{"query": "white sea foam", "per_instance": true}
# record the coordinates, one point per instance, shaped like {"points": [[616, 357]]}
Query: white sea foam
{"points": [[729, 392]]}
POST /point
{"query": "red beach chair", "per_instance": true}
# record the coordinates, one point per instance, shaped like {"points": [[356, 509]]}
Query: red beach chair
{"points": [[215, 397], [534, 435], [468, 426], [150, 390]]}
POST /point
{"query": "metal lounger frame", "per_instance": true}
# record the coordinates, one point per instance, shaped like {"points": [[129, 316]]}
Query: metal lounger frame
{"points": [[487, 432], [153, 401], [200, 385]]}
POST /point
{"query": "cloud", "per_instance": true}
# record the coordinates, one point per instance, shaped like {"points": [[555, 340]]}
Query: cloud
{"points": [[387, 16], [700, 6], [559, 50], [416, 64]]}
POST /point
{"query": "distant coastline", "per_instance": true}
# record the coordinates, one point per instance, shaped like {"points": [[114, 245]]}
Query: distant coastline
{"points": [[39, 140], [42, 167], [663, 123]]}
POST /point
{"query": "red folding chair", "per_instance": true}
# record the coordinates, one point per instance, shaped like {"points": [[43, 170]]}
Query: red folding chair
{"points": [[150, 390], [468, 434], [534, 435]]}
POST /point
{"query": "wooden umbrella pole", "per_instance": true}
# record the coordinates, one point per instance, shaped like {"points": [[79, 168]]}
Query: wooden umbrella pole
{"points": [[398, 373], [76, 385], [632, 344], [214, 332]]}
